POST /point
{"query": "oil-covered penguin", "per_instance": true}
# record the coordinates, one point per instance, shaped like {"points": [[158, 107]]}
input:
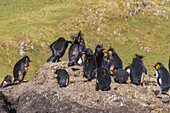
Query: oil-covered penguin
{"points": [[137, 70], [62, 77], [113, 60], [90, 65], [103, 79], [100, 58], [21, 69], [7, 81], [58, 48]]}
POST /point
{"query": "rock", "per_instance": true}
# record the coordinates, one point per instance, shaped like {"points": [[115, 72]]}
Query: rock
{"points": [[165, 98], [43, 94]]}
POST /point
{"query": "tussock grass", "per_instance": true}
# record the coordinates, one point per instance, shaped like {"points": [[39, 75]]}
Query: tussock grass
{"points": [[39, 23]]}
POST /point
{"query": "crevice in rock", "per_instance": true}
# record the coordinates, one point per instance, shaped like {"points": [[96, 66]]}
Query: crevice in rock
{"points": [[5, 105]]}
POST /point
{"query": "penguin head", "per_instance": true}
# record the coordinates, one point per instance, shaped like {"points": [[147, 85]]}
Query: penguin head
{"points": [[8, 78], [158, 65], [140, 57], [87, 52], [110, 51], [61, 39], [27, 60], [77, 36], [99, 47]]}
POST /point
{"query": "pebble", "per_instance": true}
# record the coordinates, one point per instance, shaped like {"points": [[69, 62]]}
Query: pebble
{"points": [[98, 29], [21, 52]]}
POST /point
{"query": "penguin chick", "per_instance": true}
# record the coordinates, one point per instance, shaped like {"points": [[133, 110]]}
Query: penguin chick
{"points": [[162, 76], [6, 82], [103, 79], [62, 77], [58, 49], [90, 65], [82, 46], [21, 69]]}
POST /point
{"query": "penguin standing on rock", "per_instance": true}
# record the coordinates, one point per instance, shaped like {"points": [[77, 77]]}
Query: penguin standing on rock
{"points": [[90, 65], [74, 53], [21, 69], [113, 60], [58, 49], [62, 77], [103, 79], [137, 70], [100, 58], [6, 82], [163, 77], [82, 46], [82, 42], [120, 75]]}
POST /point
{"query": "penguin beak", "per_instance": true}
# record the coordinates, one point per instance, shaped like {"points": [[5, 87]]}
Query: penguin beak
{"points": [[105, 51], [78, 40], [153, 65], [104, 48], [83, 52], [31, 60]]}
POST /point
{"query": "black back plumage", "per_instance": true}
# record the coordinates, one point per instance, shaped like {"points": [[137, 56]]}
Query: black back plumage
{"points": [[7, 81], [63, 77], [163, 77], [100, 58], [82, 42], [114, 59], [58, 49], [90, 65], [127, 68], [136, 70], [103, 79], [121, 76], [21, 68], [74, 53], [169, 64]]}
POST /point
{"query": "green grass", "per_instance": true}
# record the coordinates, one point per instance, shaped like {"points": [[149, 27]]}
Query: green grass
{"points": [[40, 22]]}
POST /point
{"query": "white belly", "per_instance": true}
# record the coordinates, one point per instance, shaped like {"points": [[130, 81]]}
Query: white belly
{"points": [[80, 61], [128, 70], [160, 81]]}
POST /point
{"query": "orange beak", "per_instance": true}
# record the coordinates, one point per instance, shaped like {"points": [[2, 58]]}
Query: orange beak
{"points": [[31, 60], [78, 40], [10, 78], [105, 51], [104, 48], [153, 65], [83, 52]]}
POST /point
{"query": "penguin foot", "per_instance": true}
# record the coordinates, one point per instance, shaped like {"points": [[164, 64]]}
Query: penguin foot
{"points": [[16, 82], [24, 81]]}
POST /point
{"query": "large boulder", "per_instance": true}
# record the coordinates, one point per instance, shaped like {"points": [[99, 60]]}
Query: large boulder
{"points": [[43, 94]]}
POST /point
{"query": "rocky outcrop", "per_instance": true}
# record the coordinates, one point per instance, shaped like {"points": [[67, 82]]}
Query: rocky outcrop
{"points": [[43, 94]]}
